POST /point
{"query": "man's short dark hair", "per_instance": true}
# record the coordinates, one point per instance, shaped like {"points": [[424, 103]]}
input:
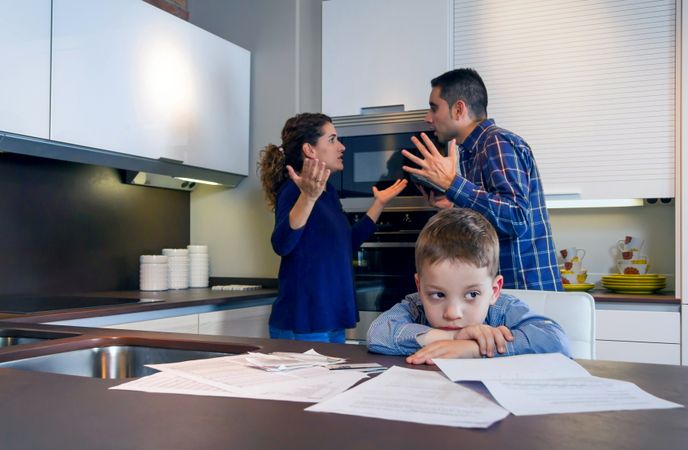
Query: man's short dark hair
{"points": [[466, 85]]}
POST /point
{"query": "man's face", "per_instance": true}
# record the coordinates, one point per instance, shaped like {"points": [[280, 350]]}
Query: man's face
{"points": [[456, 294], [440, 117]]}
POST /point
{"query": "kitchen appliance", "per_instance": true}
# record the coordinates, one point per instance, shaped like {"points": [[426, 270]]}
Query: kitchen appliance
{"points": [[386, 276], [373, 156]]}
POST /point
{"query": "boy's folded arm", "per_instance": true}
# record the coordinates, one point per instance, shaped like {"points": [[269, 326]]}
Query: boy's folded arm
{"points": [[394, 332]]}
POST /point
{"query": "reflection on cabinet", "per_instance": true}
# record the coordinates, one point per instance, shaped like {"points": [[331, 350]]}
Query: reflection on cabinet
{"points": [[382, 53], [638, 336], [359, 333], [25, 74], [244, 322], [178, 324], [130, 78]]}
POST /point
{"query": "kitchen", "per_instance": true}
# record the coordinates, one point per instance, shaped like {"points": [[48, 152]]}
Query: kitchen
{"points": [[285, 71]]}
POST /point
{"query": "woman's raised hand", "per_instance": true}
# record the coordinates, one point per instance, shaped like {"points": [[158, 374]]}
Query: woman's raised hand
{"points": [[388, 194], [312, 179]]}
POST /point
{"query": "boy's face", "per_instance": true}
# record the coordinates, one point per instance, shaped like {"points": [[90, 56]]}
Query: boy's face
{"points": [[456, 294]]}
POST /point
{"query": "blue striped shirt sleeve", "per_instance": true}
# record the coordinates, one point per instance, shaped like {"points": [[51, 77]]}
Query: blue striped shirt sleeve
{"points": [[394, 332]]}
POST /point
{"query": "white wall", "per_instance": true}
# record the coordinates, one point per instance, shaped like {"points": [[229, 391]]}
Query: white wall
{"points": [[284, 40], [597, 231]]}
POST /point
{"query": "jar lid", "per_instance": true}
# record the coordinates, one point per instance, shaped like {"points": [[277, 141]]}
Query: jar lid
{"points": [[153, 259]]}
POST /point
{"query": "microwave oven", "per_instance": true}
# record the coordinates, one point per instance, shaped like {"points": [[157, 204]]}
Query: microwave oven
{"points": [[373, 156]]}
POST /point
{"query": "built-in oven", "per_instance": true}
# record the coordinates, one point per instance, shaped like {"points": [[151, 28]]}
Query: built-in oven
{"points": [[384, 266]]}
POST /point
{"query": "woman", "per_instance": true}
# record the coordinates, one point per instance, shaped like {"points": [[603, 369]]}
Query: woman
{"points": [[316, 299]]}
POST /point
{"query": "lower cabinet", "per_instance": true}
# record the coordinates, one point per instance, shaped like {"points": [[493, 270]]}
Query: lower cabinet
{"points": [[244, 322], [645, 336], [178, 324], [359, 333]]}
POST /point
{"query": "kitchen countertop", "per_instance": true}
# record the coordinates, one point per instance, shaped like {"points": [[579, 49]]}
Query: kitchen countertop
{"points": [[238, 299], [42, 410], [171, 299]]}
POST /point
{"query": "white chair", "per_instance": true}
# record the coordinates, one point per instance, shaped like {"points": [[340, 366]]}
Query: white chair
{"points": [[574, 311]]}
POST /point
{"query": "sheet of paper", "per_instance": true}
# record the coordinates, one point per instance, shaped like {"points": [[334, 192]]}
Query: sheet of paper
{"points": [[542, 366], [234, 374], [418, 396], [168, 383], [570, 395]]}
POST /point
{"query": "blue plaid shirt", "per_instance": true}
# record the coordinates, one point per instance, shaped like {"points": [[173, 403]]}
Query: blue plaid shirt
{"points": [[394, 332], [500, 180]]}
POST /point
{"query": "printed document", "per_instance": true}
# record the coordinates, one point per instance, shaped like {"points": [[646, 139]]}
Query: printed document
{"points": [[234, 376], [549, 383], [420, 396]]}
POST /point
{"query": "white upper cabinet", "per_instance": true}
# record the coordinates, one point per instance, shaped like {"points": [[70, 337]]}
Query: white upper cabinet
{"points": [[25, 73], [130, 78], [382, 52]]}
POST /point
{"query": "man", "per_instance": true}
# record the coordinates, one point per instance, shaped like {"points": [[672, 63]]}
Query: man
{"points": [[498, 178]]}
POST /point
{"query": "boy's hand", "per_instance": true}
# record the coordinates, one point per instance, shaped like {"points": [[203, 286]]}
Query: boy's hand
{"points": [[488, 338], [445, 349]]}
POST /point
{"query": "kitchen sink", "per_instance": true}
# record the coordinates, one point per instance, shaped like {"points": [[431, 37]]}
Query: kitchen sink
{"points": [[116, 361], [29, 304], [9, 337]]}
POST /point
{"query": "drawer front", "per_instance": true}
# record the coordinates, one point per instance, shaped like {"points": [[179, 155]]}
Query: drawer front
{"points": [[638, 352], [638, 326], [244, 322], [181, 324]]}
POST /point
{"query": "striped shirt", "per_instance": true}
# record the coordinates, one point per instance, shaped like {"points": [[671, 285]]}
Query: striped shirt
{"points": [[500, 180], [394, 332]]}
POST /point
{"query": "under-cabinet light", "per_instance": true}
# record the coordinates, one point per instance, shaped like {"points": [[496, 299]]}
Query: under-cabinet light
{"points": [[592, 203], [193, 180]]}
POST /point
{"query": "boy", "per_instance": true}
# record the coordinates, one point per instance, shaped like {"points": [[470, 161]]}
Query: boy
{"points": [[458, 311]]}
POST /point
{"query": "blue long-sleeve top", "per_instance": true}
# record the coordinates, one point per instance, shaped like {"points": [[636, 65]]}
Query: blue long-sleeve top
{"points": [[316, 281], [394, 332]]}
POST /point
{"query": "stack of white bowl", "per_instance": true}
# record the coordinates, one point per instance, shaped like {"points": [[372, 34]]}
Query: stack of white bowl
{"points": [[153, 273], [199, 264], [178, 267]]}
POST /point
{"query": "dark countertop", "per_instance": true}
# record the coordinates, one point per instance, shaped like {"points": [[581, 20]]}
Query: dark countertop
{"points": [[42, 410], [172, 299], [239, 299]]}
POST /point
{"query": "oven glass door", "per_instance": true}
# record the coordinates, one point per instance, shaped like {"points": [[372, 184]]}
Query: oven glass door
{"points": [[376, 160]]}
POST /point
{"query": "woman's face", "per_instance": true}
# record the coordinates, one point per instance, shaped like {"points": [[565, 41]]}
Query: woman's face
{"points": [[328, 149]]}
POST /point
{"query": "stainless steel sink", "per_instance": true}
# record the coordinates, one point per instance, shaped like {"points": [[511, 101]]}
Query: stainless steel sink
{"points": [[9, 337], [114, 361]]}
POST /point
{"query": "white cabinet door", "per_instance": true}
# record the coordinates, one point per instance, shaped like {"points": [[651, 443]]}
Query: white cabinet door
{"points": [[130, 78], [180, 324], [25, 73], [638, 336], [382, 52], [638, 352], [244, 322]]}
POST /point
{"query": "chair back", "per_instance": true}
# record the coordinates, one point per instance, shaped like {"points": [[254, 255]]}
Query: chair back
{"points": [[574, 311]]}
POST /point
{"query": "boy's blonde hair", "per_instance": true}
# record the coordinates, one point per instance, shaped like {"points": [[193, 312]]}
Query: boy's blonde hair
{"points": [[458, 234]]}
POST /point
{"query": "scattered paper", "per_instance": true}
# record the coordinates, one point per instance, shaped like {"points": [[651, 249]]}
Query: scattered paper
{"points": [[233, 376], [570, 395], [549, 384], [418, 396], [542, 366]]}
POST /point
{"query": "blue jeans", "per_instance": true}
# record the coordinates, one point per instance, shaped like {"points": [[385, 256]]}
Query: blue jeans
{"points": [[336, 336]]}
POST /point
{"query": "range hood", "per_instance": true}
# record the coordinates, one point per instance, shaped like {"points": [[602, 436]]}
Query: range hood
{"points": [[163, 173]]}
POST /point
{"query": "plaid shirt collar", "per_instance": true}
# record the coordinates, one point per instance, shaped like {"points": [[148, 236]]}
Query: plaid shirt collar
{"points": [[470, 144]]}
